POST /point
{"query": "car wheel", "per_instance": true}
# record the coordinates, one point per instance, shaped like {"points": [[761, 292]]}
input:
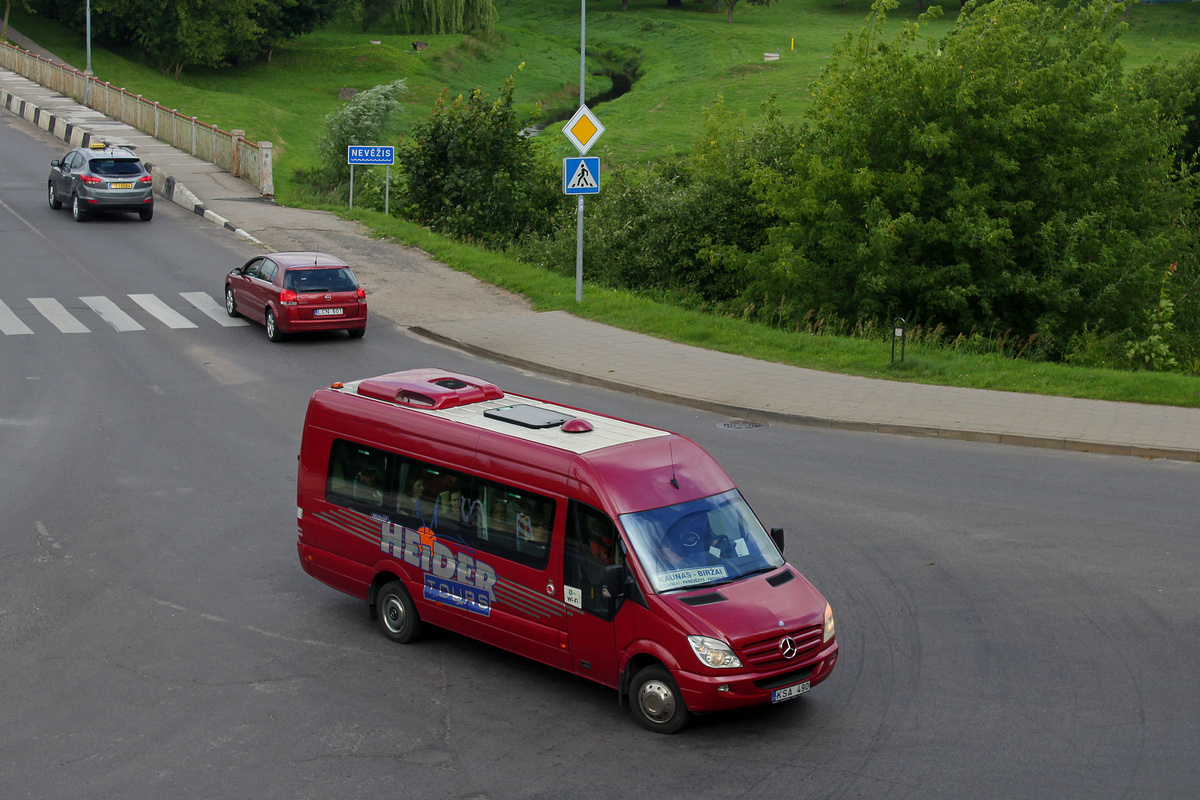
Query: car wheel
{"points": [[230, 303], [55, 203], [397, 613], [357, 333], [146, 214], [77, 211], [273, 331], [656, 702]]}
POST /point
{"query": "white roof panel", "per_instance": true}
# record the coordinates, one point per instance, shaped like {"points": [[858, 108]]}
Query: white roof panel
{"points": [[605, 432]]}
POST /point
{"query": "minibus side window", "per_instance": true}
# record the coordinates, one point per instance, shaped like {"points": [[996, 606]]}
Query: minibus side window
{"points": [[495, 518], [360, 477], [591, 546], [434, 497], [514, 524]]}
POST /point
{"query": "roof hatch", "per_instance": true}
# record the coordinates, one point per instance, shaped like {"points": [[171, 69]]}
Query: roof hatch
{"points": [[429, 388]]}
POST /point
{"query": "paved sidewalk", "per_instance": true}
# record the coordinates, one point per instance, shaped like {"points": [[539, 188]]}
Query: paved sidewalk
{"points": [[411, 289]]}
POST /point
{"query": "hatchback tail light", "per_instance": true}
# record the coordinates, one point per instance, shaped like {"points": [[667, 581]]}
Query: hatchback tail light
{"points": [[362, 295], [145, 179], [89, 179], [287, 297]]}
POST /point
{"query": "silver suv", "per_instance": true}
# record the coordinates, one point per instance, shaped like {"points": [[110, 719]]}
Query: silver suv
{"points": [[101, 178]]}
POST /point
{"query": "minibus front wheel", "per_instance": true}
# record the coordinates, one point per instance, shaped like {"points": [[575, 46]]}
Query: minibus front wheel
{"points": [[397, 613], [656, 701]]}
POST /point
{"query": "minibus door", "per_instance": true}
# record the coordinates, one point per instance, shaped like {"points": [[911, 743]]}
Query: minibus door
{"points": [[591, 546]]}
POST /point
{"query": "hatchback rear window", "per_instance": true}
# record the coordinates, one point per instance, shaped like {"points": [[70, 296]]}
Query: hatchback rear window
{"points": [[116, 166], [320, 279]]}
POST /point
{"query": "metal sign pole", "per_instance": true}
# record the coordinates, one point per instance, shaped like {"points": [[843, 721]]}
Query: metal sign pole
{"points": [[582, 96], [579, 254], [87, 70], [387, 188], [352, 187]]}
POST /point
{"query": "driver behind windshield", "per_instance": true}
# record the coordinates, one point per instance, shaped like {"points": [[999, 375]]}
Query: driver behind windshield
{"points": [[707, 541]]}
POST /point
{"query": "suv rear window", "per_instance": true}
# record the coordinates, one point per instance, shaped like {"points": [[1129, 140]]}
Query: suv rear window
{"points": [[320, 279], [116, 166]]}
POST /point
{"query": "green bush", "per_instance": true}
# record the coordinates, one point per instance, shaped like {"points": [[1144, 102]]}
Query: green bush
{"points": [[364, 119], [1003, 177], [471, 173], [669, 228]]}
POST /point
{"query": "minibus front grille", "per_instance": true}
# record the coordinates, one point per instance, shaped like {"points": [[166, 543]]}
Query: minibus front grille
{"points": [[769, 653], [786, 679]]}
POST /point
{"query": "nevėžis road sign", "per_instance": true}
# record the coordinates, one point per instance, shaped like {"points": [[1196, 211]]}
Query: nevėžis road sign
{"points": [[370, 154]]}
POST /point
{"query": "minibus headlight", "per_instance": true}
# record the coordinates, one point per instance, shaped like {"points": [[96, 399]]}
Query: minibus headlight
{"points": [[828, 623], [713, 652]]}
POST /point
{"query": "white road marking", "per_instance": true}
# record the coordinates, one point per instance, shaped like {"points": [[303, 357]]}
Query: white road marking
{"points": [[10, 323], [53, 310], [108, 311], [161, 311], [210, 307]]}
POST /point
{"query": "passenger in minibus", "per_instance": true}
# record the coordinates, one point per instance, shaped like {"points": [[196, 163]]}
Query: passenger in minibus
{"points": [[366, 486], [420, 503]]}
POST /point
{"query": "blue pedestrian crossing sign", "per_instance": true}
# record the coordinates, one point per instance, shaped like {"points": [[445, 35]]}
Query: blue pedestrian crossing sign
{"points": [[581, 175]]}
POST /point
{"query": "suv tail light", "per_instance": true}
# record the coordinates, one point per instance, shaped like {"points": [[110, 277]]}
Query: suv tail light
{"points": [[89, 179], [145, 179], [287, 297]]}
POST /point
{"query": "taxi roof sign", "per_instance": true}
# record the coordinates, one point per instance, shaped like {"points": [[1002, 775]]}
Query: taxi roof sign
{"points": [[583, 129]]}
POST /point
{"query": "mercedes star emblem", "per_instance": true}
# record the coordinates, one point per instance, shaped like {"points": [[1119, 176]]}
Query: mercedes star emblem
{"points": [[788, 647]]}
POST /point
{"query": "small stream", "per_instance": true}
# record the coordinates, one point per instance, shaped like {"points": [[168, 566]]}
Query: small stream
{"points": [[621, 84]]}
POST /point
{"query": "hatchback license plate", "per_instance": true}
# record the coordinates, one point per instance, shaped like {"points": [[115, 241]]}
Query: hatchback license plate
{"points": [[329, 312], [789, 692], [120, 186]]}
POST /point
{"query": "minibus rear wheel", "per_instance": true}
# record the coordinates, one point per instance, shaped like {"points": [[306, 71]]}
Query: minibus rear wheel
{"points": [[656, 702], [397, 614]]}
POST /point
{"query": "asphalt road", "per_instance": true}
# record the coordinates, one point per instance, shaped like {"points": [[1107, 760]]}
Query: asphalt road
{"points": [[1014, 623]]}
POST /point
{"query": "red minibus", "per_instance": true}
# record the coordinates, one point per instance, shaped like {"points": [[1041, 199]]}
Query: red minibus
{"points": [[613, 550]]}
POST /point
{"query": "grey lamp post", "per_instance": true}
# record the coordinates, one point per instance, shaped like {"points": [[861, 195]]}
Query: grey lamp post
{"points": [[87, 70]]}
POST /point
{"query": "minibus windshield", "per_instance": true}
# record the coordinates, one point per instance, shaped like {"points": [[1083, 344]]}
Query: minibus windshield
{"points": [[703, 542]]}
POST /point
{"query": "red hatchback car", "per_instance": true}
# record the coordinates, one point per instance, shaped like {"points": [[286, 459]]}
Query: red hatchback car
{"points": [[297, 292]]}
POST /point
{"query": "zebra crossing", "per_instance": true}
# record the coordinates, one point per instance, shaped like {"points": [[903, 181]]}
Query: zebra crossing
{"points": [[97, 311]]}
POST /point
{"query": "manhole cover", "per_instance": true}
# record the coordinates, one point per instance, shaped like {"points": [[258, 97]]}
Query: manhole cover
{"points": [[741, 425]]}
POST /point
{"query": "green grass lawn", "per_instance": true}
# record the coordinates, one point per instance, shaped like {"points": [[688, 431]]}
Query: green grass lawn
{"points": [[685, 59]]}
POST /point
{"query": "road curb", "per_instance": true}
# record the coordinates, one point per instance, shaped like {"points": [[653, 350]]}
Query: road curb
{"points": [[832, 423], [165, 185]]}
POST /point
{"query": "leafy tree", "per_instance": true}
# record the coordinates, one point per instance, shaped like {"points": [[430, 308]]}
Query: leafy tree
{"points": [[284, 20], [7, 8], [1176, 87], [364, 119], [176, 33], [471, 173], [432, 16], [1003, 178]]}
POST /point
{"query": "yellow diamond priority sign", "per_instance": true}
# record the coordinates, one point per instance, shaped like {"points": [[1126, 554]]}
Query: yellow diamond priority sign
{"points": [[583, 129]]}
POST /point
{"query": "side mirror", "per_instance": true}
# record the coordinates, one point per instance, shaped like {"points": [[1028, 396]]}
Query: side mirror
{"points": [[777, 538], [56, 163], [614, 581]]}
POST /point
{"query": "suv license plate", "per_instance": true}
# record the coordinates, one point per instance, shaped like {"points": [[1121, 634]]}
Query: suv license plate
{"points": [[791, 691], [329, 312], [120, 186]]}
